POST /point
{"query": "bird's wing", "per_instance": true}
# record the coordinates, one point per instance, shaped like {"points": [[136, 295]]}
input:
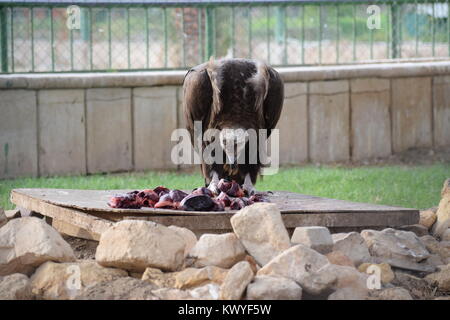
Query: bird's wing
{"points": [[273, 103], [197, 98]]}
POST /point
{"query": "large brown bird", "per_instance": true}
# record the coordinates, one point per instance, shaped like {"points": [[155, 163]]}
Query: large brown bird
{"points": [[232, 94]]}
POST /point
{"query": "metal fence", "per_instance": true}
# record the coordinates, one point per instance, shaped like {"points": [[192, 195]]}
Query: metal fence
{"points": [[55, 36]]}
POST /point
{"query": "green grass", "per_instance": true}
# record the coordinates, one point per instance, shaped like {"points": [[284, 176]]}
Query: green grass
{"points": [[407, 186]]}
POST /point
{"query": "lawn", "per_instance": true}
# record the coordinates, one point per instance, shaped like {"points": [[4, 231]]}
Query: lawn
{"points": [[407, 186]]}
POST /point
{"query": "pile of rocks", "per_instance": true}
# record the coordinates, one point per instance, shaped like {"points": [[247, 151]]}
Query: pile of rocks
{"points": [[258, 260]]}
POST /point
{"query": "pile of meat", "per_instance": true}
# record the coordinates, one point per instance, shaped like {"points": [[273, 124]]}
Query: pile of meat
{"points": [[201, 199]]}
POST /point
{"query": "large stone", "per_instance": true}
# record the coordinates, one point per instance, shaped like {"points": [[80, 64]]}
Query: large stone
{"points": [[135, 245], [192, 277], [387, 275], [370, 119], [427, 218], [395, 293], [273, 288], [15, 287], [125, 288], [329, 121], [339, 258], [18, 138], [300, 263], [152, 143], [236, 281], [206, 292], [418, 229], [353, 246], [27, 243], [411, 114], [109, 138], [185, 279], [349, 284], [62, 148], [261, 230], [443, 212], [446, 235], [294, 118], [59, 281], [418, 287], [317, 238], [221, 250], [402, 249], [158, 278], [441, 111], [440, 279], [442, 249], [348, 294], [189, 237]]}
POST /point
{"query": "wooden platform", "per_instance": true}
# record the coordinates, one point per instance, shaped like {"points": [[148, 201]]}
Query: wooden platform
{"points": [[84, 213]]}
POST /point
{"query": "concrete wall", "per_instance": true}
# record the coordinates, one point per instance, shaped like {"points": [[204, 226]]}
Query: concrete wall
{"points": [[58, 124]]}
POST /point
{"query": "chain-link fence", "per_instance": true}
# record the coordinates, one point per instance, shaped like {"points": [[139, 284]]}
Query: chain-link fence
{"points": [[61, 36]]}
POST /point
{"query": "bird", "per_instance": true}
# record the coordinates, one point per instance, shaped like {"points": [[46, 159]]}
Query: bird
{"points": [[232, 96]]}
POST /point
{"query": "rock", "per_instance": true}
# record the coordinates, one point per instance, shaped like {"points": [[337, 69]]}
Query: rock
{"points": [[440, 279], [261, 231], [353, 246], [28, 242], [172, 294], [427, 218], [253, 263], [135, 245], [348, 294], [273, 288], [191, 277], [300, 264], [12, 214], [317, 238], [190, 239], [60, 281], [126, 288], [418, 229], [221, 250], [209, 291], [339, 258], [349, 283], [158, 278], [15, 287], [3, 218], [443, 212], [446, 235], [418, 288], [387, 275], [435, 260], [442, 249], [236, 281], [206, 292], [402, 249], [185, 279], [395, 293]]}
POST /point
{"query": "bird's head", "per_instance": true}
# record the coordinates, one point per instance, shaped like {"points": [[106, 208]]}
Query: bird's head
{"points": [[232, 141]]}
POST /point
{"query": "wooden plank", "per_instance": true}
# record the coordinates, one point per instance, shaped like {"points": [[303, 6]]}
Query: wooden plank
{"points": [[90, 224], [288, 202], [77, 218], [69, 229]]}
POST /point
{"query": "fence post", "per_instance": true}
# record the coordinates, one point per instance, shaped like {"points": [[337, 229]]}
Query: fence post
{"points": [[394, 30], [4, 39], [209, 26]]}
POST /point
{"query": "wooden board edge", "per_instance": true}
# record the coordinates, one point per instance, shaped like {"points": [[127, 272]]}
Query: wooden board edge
{"points": [[77, 218]]}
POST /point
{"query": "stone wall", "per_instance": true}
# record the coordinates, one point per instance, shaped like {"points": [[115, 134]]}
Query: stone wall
{"points": [[59, 124]]}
